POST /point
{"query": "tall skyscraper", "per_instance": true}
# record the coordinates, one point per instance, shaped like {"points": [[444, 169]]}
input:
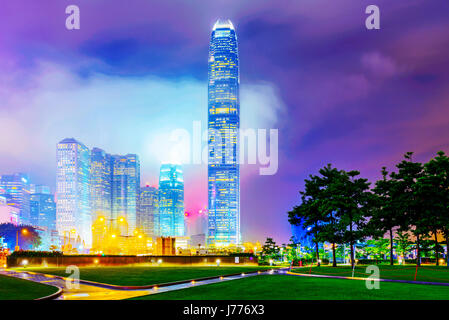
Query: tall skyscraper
{"points": [[125, 190], [170, 218], [73, 215], [223, 126], [147, 210], [16, 189]]}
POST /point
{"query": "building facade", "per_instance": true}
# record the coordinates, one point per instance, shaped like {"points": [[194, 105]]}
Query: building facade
{"points": [[169, 221], [147, 210], [125, 192], [15, 188], [73, 214], [223, 127], [43, 210]]}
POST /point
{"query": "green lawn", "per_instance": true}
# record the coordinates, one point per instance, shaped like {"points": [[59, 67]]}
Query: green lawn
{"points": [[283, 287], [146, 275], [407, 272], [19, 289]]}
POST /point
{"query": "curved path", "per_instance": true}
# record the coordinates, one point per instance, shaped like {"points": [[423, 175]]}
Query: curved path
{"points": [[98, 291]]}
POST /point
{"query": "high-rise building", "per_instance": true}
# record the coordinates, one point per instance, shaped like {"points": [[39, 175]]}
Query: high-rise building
{"points": [[73, 215], [101, 166], [43, 210], [147, 210], [125, 191], [169, 221], [223, 126], [16, 189]]}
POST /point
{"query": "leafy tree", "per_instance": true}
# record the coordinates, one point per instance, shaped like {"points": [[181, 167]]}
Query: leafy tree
{"points": [[270, 249], [404, 245], [385, 215], [348, 198], [406, 201], [432, 190], [307, 214], [27, 241]]}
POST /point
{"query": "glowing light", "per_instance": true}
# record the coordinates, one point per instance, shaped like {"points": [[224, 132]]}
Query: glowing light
{"points": [[96, 261], [24, 231], [25, 262], [113, 236], [159, 261], [193, 281]]}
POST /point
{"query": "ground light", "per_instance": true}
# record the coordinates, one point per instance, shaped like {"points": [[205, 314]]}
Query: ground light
{"points": [[218, 262]]}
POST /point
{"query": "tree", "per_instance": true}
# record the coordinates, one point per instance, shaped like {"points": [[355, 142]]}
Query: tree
{"points": [[404, 245], [270, 249], [406, 201], [307, 214], [348, 198], [433, 193], [27, 241], [385, 215]]}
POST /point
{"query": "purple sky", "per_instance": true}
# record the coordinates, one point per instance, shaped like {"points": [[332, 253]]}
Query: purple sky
{"points": [[137, 69]]}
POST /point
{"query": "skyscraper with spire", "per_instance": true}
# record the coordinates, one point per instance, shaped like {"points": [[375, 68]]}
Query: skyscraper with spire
{"points": [[223, 126]]}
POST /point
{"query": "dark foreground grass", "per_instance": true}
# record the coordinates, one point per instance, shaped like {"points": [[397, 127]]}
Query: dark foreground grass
{"points": [[146, 275], [283, 287], [405, 272], [19, 289]]}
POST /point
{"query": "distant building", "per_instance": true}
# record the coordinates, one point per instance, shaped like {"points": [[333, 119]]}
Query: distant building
{"points": [[8, 214], [165, 246], [73, 214], [101, 166], [125, 190], [170, 218], [147, 210], [16, 189], [43, 210]]}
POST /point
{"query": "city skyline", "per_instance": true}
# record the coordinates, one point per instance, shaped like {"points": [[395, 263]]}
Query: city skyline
{"points": [[337, 93]]}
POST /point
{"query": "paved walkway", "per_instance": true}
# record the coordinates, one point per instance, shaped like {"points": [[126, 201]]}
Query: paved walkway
{"points": [[97, 291]]}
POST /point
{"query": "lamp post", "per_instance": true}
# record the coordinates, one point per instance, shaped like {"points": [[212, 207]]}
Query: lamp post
{"points": [[24, 232]]}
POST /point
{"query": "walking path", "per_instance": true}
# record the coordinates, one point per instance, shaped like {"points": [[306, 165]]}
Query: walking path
{"points": [[370, 279], [88, 290]]}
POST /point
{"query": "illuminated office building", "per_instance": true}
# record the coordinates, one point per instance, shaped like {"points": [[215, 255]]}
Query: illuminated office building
{"points": [[16, 189], [73, 214], [223, 125], [43, 209], [169, 221], [147, 210], [100, 184], [125, 191]]}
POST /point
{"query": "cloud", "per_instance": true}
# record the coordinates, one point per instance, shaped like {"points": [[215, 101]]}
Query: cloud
{"points": [[380, 65], [119, 114]]}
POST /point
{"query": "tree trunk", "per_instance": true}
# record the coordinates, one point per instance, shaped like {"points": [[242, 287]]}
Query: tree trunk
{"points": [[418, 252], [352, 246], [334, 256], [391, 247], [447, 248], [352, 254], [317, 254], [436, 247]]}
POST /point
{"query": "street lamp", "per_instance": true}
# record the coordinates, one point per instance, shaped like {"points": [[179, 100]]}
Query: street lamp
{"points": [[24, 231]]}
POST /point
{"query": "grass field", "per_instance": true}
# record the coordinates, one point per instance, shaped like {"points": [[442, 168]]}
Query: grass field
{"points": [[143, 275], [283, 287], [19, 289], [407, 272]]}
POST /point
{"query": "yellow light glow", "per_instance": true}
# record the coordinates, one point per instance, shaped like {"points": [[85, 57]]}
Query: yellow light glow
{"points": [[24, 231], [113, 236]]}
